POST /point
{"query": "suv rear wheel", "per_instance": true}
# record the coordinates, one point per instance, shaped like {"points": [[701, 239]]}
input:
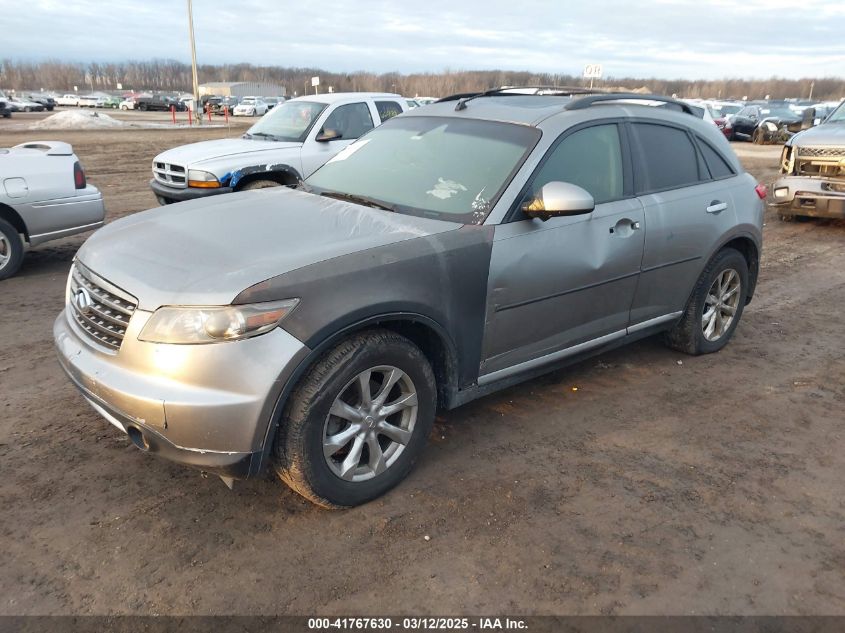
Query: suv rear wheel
{"points": [[355, 426], [715, 307]]}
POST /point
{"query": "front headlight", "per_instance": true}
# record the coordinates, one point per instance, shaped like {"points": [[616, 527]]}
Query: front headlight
{"points": [[204, 179], [197, 325]]}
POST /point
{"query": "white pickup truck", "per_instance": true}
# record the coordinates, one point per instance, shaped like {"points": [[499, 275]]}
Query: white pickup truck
{"points": [[286, 146], [44, 195]]}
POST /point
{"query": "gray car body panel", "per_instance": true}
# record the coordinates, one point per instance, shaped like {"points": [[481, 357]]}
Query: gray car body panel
{"points": [[439, 278], [246, 238]]}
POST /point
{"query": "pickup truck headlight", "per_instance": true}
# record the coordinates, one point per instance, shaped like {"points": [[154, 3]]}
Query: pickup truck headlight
{"points": [[198, 325], [204, 179]]}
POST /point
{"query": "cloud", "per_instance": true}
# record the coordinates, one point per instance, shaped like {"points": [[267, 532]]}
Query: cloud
{"points": [[662, 38]]}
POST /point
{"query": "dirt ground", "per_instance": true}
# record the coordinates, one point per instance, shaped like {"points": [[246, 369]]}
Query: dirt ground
{"points": [[664, 484]]}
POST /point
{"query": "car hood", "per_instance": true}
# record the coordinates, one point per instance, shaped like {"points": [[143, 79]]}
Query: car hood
{"points": [[196, 153], [205, 252], [824, 134]]}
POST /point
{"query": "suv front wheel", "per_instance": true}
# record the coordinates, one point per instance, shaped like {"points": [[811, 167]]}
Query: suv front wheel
{"points": [[356, 424], [715, 306]]}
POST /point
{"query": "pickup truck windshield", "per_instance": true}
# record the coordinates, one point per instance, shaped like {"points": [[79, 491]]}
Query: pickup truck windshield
{"points": [[289, 121], [838, 115], [450, 169]]}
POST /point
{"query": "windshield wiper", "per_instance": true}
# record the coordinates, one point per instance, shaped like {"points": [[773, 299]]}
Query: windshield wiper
{"points": [[264, 134], [351, 197]]}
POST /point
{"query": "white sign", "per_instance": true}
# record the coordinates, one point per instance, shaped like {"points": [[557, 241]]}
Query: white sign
{"points": [[120, 86], [315, 81], [592, 71], [76, 88]]}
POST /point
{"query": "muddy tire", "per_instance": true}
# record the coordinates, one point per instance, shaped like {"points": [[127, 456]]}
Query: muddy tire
{"points": [[758, 137], [358, 421], [260, 184], [11, 250], [715, 306]]}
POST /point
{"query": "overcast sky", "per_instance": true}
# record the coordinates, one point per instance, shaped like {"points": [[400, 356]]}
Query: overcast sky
{"points": [[661, 38]]}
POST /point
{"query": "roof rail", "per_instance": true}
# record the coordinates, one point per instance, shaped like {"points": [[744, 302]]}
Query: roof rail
{"points": [[587, 101], [514, 91]]}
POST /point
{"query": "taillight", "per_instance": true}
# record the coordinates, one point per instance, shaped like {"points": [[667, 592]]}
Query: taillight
{"points": [[79, 176], [762, 191]]}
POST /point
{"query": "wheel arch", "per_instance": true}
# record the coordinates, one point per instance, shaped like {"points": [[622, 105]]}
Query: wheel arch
{"points": [[13, 217], [284, 174], [432, 339], [751, 252]]}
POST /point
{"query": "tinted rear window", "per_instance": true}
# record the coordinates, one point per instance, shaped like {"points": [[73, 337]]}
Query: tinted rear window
{"points": [[718, 166], [388, 109], [665, 158]]}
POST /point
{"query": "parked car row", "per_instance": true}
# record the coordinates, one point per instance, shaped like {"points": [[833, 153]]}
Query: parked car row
{"points": [[765, 121]]}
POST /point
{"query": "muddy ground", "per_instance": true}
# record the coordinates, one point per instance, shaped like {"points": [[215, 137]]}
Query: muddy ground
{"points": [[664, 484]]}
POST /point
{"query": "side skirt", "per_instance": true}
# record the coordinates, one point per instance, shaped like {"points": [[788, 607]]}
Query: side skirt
{"points": [[563, 358]]}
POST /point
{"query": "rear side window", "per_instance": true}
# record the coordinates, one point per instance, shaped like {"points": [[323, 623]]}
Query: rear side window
{"points": [[717, 165], [388, 109], [665, 158], [590, 158]]}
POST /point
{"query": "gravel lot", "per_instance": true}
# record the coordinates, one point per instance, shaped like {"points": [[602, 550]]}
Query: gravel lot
{"points": [[640, 482]]}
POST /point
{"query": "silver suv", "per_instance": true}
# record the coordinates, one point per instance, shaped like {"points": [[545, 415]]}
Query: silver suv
{"points": [[455, 250]]}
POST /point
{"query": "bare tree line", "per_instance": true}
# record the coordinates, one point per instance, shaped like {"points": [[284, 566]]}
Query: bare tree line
{"points": [[171, 75]]}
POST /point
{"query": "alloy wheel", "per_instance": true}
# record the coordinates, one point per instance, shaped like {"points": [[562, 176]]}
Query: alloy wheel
{"points": [[5, 251], [370, 423], [721, 304]]}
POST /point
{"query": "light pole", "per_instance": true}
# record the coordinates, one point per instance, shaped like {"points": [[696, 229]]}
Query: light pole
{"points": [[197, 113]]}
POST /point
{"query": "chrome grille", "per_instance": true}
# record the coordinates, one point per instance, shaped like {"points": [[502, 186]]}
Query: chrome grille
{"points": [[102, 313], [170, 174], [821, 152]]}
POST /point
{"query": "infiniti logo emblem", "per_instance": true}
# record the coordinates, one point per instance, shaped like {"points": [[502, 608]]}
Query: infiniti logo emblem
{"points": [[83, 301]]}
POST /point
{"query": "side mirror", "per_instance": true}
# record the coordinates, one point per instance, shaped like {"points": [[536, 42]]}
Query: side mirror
{"points": [[808, 118], [559, 199], [328, 135]]}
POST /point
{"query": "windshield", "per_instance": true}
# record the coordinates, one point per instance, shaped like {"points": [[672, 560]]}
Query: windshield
{"points": [[289, 121], [838, 115], [449, 169]]}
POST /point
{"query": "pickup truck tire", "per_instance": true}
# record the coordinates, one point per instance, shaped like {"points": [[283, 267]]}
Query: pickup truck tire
{"points": [[722, 289], [324, 446], [11, 250], [260, 184]]}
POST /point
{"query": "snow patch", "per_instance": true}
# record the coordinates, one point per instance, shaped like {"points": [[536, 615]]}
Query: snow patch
{"points": [[78, 120]]}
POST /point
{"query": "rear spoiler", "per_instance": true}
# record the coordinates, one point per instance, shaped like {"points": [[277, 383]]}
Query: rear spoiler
{"points": [[51, 148]]}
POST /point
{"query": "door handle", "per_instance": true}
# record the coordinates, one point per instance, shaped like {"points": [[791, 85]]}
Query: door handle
{"points": [[624, 227], [716, 206]]}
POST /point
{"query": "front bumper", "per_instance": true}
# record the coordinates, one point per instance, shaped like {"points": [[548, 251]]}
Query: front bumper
{"points": [[166, 195], [806, 196], [204, 406]]}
